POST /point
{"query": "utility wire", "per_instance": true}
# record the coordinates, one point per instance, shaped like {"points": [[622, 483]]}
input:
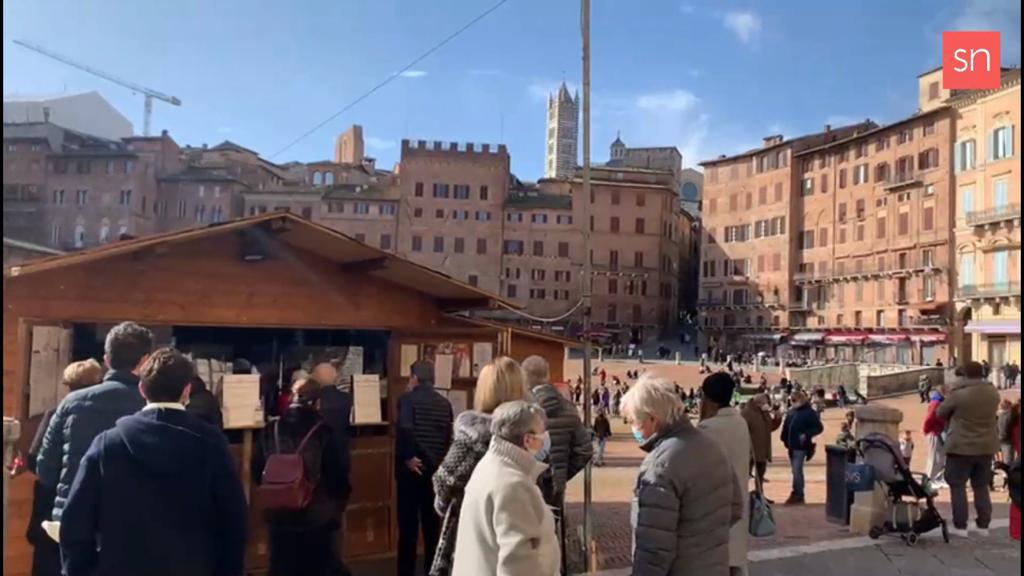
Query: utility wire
{"points": [[570, 312], [392, 77]]}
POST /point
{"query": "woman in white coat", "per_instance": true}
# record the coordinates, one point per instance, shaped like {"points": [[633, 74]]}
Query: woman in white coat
{"points": [[505, 529], [726, 425]]}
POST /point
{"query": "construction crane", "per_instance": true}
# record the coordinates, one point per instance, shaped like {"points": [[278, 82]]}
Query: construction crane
{"points": [[146, 92]]}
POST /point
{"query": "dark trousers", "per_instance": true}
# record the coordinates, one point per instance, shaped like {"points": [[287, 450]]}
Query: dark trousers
{"points": [[760, 468], [556, 501], [46, 558], [416, 510], [978, 471], [308, 552]]}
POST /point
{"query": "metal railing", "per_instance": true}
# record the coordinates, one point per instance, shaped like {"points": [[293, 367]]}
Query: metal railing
{"points": [[870, 268], [992, 290], [992, 215]]}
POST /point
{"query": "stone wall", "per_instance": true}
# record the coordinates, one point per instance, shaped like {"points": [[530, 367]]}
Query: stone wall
{"points": [[873, 380], [888, 382]]}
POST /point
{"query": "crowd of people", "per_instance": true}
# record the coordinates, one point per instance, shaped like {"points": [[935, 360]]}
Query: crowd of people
{"points": [[486, 490]]}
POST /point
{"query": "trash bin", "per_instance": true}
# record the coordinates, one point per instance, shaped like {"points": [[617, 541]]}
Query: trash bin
{"points": [[838, 497]]}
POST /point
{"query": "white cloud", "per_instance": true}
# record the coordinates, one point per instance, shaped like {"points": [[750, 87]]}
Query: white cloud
{"points": [[673, 101], [379, 143], [687, 8], [413, 73], [745, 25], [1001, 15]]}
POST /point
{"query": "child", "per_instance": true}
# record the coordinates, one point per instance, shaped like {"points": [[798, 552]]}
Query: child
{"points": [[907, 446], [846, 437]]}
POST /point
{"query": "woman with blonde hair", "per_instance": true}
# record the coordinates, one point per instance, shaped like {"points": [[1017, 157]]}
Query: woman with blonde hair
{"points": [[501, 381]]}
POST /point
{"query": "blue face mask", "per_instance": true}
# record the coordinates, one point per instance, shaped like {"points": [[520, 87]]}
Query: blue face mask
{"points": [[545, 450], [639, 435]]}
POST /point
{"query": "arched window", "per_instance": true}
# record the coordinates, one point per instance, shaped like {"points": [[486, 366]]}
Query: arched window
{"points": [[105, 231], [329, 178], [79, 236], [318, 178]]}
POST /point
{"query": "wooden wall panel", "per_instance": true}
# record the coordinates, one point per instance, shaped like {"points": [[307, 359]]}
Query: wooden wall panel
{"points": [[524, 346]]}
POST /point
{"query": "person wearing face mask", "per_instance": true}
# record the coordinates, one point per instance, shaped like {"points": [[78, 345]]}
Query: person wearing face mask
{"points": [[505, 527], [157, 494], [687, 497]]}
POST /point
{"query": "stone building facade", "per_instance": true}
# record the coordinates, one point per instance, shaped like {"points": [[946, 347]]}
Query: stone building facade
{"points": [[986, 149]]}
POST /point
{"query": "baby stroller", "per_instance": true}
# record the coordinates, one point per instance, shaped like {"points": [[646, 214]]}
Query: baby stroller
{"points": [[912, 496]]}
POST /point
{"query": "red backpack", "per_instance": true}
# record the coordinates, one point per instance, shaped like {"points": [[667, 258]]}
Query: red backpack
{"points": [[285, 486]]}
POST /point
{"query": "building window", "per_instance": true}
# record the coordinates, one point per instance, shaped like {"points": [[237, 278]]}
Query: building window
{"points": [[362, 208], [513, 247], [933, 91], [881, 227], [614, 226], [1001, 145], [460, 245], [329, 178], [842, 178], [126, 198], [81, 197], [484, 193], [473, 280], [903, 223], [539, 218], [58, 197], [318, 178], [807, 240], [615, 198], [460, 215], [361, 237], [928, 219], [905, 136], [929, 127], [808, 186], [419, 190], [882, 172], [964, 155], [613, 259], [860, 174], [564, 219], [638, 260], [439, 214], [612, 316], [438, 244], [641, 199], [511, 291], [83, 167], [563, 249], [461, 192], [481, 246], [538, 248], [55, 235], [307, 212], [440, 190], [387, 209], [928, 159], [483, 216], [640, 226], [417, 244]]}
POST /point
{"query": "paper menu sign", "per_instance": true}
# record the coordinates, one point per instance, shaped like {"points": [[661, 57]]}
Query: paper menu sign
{"points": [[240, 399], [463, 366], [410, 353], [444, 364], [366, 399], [483, 354], [459, 399]]}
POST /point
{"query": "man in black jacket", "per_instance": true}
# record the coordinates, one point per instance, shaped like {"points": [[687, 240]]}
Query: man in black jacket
{"points": [[336, 411], [158, 490], [84, 414], [802, 425], [571, 443], [424, 435]]}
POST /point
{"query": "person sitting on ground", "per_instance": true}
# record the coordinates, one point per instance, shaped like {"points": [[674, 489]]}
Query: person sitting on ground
{"points": [[501, 381], [45, 551], [973, 440], [687, 497], [157, 494], [505, 527]]}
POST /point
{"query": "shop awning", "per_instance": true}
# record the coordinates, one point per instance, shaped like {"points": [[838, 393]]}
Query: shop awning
{"points": [[1000, 326], [807, 338], [845, 338], [764, 337], [894, 338], [929, 338]]}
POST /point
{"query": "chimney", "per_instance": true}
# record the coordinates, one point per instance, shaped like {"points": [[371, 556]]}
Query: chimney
{"points": [[772, 140], [46, 114], [828, 128]]}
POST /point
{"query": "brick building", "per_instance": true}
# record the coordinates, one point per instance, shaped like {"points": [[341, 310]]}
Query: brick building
{"points": [[986, 152], [452, 200]]}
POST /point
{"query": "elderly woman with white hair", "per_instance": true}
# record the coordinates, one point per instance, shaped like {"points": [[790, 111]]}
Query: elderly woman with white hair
{"points": [[505, 529], [687, 497]]}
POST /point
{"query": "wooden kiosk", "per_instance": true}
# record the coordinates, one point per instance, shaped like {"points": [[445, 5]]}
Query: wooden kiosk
{"points": [[242, 285]]}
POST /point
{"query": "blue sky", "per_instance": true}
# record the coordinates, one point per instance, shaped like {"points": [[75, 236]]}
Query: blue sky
{"points": [[710, 77]]}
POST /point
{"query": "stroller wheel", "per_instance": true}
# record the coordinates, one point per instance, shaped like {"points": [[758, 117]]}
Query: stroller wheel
{"points": [[875, 533], [912, 539]]}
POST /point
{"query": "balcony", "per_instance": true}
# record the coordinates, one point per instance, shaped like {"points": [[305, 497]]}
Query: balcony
{"points": [[990, 291], [928, 321], [901, 179], [721, 304], [995, 215], [868, 270]]}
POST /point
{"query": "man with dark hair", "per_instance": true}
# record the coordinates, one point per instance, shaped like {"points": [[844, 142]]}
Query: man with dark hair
{"points": [[728, 428], [970, 409], [158, 491], [424, 435], [84, 414], [335, 408]]}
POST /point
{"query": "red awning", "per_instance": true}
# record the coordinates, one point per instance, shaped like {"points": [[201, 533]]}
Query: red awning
{"points": [[929, 338], [845, 338], [896, 338]]}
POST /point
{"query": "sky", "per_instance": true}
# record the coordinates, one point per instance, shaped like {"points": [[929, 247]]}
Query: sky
{"points": [[709, 77]]}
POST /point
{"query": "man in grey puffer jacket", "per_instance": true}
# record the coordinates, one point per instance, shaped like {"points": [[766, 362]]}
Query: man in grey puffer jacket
{"points": [[571, 443], [687, 497]]}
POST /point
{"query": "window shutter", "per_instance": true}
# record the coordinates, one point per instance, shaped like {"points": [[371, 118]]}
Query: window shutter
{"points": [[958, 157], [1008, 137]]}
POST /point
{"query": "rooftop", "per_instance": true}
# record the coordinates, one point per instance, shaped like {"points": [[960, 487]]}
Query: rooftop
{"points": [[800, 143], [200, 174], [533, 199], [874, 131]]}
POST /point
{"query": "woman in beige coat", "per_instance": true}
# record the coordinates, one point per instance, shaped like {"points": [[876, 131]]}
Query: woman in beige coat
{"points": [[505, 529], [722, 422]]}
